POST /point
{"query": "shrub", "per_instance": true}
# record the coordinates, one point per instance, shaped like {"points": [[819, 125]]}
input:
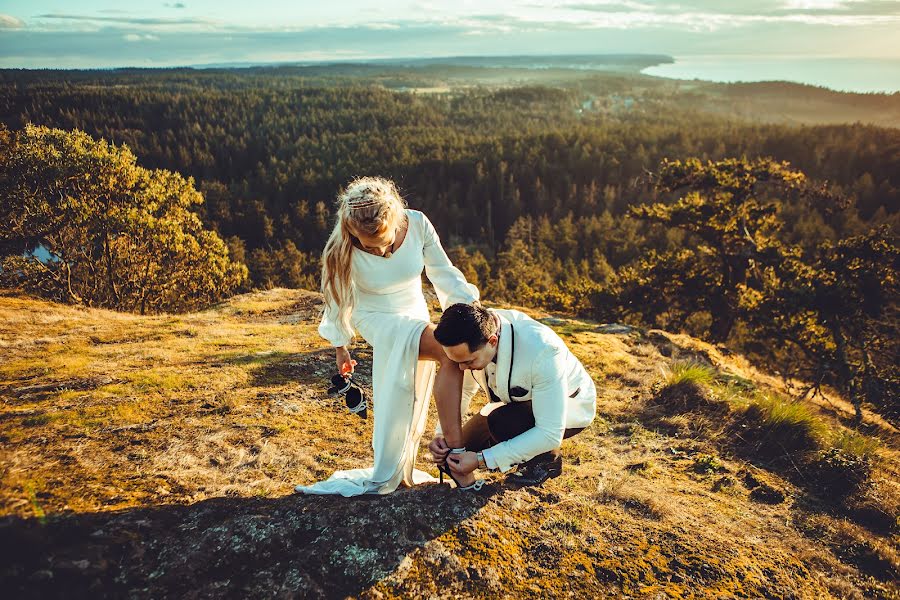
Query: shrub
{"points": [[777, 428], [690, 372]]}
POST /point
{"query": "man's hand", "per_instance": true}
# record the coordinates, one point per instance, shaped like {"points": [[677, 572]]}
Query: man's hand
{"points": [[463, 463], [439, 449]]}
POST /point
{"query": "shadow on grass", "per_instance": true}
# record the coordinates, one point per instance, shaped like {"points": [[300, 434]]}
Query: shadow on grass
{"points": [[285, 368], [294, 546], [788, 449], [309, 368]]}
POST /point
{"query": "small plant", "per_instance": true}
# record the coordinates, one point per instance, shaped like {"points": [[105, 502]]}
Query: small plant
{"points": [[707, 464], [855, 443], [724, 482], [36, 420], [32, 498], [564, 524], [688, 387], [784, 426], [690, 372], [840, 473]]}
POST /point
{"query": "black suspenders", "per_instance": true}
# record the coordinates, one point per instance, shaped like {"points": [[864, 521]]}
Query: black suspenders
{"points": [[512, 355]]}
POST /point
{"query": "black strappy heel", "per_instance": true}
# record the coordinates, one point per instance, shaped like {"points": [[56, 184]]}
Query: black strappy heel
{"points": [[444, 468], [354, 397]]}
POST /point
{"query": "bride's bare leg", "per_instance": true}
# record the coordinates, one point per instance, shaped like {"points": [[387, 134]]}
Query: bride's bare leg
{"points": [[448, 384]]}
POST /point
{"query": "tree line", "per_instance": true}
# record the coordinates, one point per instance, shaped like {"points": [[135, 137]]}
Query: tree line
{"points": [[656, 213]]}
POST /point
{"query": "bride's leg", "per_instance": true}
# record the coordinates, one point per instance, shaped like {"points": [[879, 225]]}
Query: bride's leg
{"points": [[448, 385]]}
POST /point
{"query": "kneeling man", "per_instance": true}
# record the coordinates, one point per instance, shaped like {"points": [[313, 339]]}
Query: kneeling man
{"points": [[539, 395]]}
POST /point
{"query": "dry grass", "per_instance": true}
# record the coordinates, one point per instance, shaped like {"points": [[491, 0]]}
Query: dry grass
{"points": [[103, 412], [690, 372]]}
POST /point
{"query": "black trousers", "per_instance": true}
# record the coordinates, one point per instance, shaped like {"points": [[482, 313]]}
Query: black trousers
{"points": [[503, 424]]}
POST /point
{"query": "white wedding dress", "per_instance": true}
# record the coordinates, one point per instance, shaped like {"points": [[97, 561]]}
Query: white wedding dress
{"points": [[391, 313]]}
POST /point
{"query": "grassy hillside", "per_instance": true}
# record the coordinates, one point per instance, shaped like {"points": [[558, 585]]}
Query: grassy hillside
{"points": [[156, 456]]}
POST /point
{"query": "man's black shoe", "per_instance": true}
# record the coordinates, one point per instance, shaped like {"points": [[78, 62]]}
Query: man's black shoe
{"points": [[536, 472]]}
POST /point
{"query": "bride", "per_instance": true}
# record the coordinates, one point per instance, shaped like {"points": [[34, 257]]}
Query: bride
{"points": [[371, 280]]}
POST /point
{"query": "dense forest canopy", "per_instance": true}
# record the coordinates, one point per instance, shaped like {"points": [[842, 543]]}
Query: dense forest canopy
{"points": [[534, 180], [268, 147]]}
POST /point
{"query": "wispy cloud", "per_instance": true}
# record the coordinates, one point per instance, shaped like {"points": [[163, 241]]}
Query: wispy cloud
{"points": [[137, 37], [128, 20], [853, 7], [509, 17], [700, 15], [873, 8], [609, 7], [10, 22], [761, 9]]}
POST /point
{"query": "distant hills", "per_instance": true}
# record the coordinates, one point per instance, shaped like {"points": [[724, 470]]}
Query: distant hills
{"points": [[597, 62]]}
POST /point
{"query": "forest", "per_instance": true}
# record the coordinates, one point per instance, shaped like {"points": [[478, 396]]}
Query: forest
{"points": [[616, 196]]}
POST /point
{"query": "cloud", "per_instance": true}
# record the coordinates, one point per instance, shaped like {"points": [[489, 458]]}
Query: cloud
{"points": [[870, 8], [391, 26], [494, 18], [10, 22], [607, 7], [136, 37], [32, 48], [709, 15], [760, 8], [175, 5], [128, 20]]}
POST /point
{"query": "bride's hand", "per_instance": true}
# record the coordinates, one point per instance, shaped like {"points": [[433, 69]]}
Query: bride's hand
{"points": [[345, 364]]}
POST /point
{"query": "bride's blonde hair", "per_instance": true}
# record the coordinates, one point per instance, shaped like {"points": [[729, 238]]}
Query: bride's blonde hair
{"points": [[368, 205]]}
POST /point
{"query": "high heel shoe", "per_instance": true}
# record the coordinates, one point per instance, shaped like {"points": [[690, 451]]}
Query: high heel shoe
{"points": [[443, 468], [353, 394]]}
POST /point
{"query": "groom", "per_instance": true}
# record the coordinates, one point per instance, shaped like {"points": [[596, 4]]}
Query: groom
{"points": [[539, 394]]}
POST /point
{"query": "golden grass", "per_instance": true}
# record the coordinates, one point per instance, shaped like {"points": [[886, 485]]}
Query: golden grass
{"points": [[788, 417], [231, 402], [854, 443], [161, 380], [58, 361], [637, 497], [690, 372]]}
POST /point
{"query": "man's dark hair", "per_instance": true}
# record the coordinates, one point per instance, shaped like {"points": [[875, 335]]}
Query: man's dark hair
{"points": [[468, 323]]}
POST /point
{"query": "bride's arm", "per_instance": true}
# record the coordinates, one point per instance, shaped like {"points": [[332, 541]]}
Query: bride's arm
{"points": [[331, 328], [448, 281]]}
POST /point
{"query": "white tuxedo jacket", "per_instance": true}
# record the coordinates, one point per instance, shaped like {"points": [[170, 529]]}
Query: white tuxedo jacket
{"points": [[534, 364]]}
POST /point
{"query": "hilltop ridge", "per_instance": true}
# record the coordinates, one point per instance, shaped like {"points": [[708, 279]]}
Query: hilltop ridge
{"points": [[155, 456]]}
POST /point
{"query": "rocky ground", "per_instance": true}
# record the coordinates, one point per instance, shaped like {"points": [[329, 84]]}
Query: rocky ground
{"points": [[154, 457]]}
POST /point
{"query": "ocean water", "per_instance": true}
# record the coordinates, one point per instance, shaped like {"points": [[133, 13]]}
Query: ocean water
{"points": [[842, 74]]}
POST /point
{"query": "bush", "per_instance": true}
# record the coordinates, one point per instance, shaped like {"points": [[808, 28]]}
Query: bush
{"points": [[778, 428], [118, 235], [693, 372]]}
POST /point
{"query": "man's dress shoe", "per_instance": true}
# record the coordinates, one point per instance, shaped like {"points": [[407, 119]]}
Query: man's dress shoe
{"points": [[536, 472]]}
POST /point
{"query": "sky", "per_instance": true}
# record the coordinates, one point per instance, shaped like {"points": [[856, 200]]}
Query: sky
{"points": [[103, 33]]}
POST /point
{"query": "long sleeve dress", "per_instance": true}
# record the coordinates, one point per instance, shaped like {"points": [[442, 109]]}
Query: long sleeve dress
{"points": [[391, 314]]}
